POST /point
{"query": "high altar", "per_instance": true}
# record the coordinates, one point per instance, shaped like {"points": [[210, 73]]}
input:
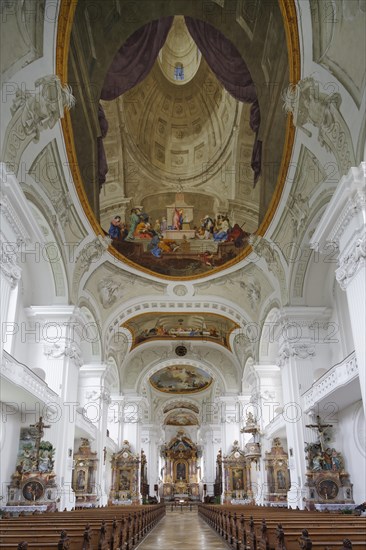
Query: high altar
{"points": [[181, 471]]}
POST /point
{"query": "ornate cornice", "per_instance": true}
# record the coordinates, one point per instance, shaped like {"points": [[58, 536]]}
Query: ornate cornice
{"points": [[352, 263], [354, 205], [348, 200]]}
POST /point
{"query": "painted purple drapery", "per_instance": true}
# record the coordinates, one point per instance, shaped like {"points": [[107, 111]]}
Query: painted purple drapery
{"points": [[135, 59], [102, 160], [230, 69], [132, 63]]}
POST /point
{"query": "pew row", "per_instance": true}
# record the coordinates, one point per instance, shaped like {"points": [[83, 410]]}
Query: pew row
{"points": [[110, 528], [258, 528]]}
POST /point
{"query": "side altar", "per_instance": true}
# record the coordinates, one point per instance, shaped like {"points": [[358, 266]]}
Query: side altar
{"points": [[235, 469], [125, 488], [181, 471], [327, 481], [84, 474], [33, 482], [278, 478]]}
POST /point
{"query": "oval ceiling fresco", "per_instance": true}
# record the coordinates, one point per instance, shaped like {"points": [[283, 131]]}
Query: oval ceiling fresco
{"points": [[191, 152], [180, 379]]}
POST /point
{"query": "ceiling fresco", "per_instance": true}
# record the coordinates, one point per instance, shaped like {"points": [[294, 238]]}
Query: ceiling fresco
{"points": [[181, 379], [181, 418], [180, 154], [188, 144], [183, 326], [181, 405]]}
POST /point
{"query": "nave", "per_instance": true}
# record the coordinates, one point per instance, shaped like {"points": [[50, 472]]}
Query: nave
{"points": [[182, 529]]}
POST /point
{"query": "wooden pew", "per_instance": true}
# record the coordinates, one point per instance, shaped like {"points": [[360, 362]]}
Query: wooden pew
{"points": [[260, 528], [109, 528]]}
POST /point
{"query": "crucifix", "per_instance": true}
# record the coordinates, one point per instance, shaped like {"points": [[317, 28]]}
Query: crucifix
{"points": [[320, 428], [39, 426]]}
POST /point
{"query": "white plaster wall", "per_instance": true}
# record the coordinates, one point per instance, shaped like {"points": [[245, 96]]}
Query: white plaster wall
{"points": [[351, 435], [345, 329], [9, 437]]}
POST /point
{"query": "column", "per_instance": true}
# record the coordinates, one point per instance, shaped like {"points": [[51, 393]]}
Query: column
{"points": [[210, 438], [94, 396], [298, 358], [230, 428], [57, 351], [343, 226], [266, 398], [10, 274], [150, 441]]}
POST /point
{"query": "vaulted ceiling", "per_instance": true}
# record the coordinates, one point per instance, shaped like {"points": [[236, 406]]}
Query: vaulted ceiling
{"points": [[189, 138]]}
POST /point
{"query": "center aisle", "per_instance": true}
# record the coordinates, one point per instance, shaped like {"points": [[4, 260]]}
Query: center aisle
{"points": [[182, 530]]}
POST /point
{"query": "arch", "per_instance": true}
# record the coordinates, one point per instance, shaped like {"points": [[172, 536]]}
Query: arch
{"points": [[47, 273], [311, 267], [174, 402], [268, 342], [91, 335], [111, 376]]}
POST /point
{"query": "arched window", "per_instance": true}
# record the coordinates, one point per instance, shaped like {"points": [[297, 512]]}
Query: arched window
{"points": [[178, 72]]}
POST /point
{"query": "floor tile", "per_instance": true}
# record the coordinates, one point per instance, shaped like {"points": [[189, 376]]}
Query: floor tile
{"points": [[182, 530]]}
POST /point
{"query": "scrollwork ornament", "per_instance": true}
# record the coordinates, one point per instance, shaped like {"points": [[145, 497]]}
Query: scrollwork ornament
{"points": [[351, 263], [33, 112], [10, 269]]}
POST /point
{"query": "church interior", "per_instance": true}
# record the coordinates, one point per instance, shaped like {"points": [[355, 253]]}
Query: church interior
{"points": [[183, 267]]}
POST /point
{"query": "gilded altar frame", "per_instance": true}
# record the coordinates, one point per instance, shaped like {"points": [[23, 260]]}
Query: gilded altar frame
{"points": [[125, 476]]}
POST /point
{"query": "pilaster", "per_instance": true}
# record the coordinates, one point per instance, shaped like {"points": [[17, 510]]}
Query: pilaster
{"points": [[95, 398], [343, 226], [56, 349], [298, 349]]}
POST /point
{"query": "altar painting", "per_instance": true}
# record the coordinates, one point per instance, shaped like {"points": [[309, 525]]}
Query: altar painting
{"points": [[181, 471], [180, 379], [237, 479]]}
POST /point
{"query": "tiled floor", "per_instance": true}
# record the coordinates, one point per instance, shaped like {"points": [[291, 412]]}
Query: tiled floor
{"points": [[182, 530]]}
